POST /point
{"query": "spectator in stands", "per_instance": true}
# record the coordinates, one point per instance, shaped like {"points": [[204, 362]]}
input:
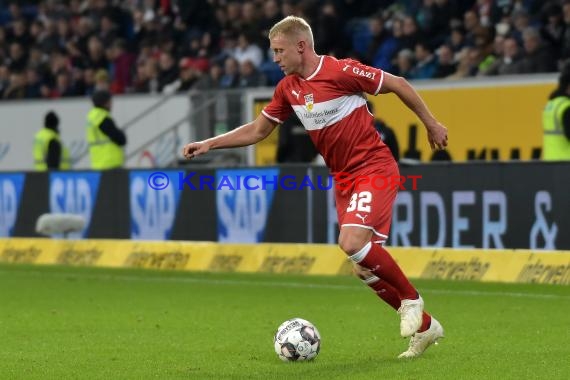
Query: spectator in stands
{"points": [[404, 63], [387, 134], [484, 42], [246, 50], [63, 87], [398, 32], [36, 59], [89, 81], [14, 13], [85, 29], [102, 80], [207, 46], [410, 33], [484, 9], [382, 47], [456, 39], [49, 39], [330, 27], [191, 70], [520, 21], [552, 28], [63, 32], [230, 79], [108, 32], [565, 38], [105, 139], [471, 23], [271, 14], [193, 48], [3, 44], [228, 44], [444, 13], [288, 7], [499, 45], [212, 79], [250, 21], [468, 59], [167, 70], [233, 15], [294, 143], [122, 62], [17, 59], [49, 151], [424, 16], [96, 58], [446, 64], [556, 120], [249, 76], [16, 87], [538, 56], [145, 27], [20, 32], [33, 84], [509, 63], [426, 63], [146, 77]]}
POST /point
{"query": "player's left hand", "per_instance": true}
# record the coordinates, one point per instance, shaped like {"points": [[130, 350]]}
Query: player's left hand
{"points": [[437, 136]]}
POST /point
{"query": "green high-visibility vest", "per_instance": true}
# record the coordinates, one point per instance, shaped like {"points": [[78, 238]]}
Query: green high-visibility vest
{"points": [[41, 145], [104, 153], [555, 145]]}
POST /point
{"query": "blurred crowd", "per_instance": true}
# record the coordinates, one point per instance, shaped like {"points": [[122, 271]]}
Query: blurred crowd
{"points": [[57, 48]]}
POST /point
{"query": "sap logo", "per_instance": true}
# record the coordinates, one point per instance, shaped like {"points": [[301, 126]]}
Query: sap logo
{"points": [[8, 207], [152, 211], [363, 73], [74, 194], [242, 214]]}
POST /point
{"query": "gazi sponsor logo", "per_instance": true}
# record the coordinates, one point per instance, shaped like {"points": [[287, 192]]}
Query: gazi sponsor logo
{"points": [[153, 212], [10, 194], [74, 193], [242, 214]]}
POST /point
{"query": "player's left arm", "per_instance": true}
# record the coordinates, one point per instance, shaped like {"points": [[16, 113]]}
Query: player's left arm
{"points": [[437, 133]]}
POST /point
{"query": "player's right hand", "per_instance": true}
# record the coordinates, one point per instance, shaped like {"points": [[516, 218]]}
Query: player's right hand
{"points": [[437, 136], [194, 149]]}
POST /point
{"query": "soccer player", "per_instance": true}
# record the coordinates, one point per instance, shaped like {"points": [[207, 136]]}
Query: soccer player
{"points": [[327, 94]]}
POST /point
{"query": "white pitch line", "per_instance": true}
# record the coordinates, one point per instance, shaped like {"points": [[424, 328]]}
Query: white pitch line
{"points": [[478, 293], [280, 284]]}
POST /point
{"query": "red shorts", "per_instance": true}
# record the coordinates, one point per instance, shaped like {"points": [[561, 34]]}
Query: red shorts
{"points": [[366, 205]]}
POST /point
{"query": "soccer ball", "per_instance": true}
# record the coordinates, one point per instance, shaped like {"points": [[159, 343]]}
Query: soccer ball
{"points": [[297, 339]]}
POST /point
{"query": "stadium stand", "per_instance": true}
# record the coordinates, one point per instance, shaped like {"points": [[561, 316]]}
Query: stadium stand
{"points": [[54, 49]]}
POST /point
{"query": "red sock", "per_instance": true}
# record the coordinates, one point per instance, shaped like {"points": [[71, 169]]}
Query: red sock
{"points": [[379, 261], [386, 292], [390, 295], [426, 322]]}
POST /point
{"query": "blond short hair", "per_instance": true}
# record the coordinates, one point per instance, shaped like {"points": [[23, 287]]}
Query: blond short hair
{"points": [[293, 25]]}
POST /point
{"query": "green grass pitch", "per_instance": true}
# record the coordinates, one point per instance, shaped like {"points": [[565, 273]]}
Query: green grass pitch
{"points": [[81, 323]]}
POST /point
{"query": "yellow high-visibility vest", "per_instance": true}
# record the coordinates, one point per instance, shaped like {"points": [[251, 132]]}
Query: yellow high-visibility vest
{"points": [[41, 145], [104, 153], [555, 145]]}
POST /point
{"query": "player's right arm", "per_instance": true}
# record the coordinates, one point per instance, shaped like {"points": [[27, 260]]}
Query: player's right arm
{"points": [[437, 133], [247, 134]]}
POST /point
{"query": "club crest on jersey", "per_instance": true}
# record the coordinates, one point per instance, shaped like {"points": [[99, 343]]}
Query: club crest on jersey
{"points": [[309, 101]]}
